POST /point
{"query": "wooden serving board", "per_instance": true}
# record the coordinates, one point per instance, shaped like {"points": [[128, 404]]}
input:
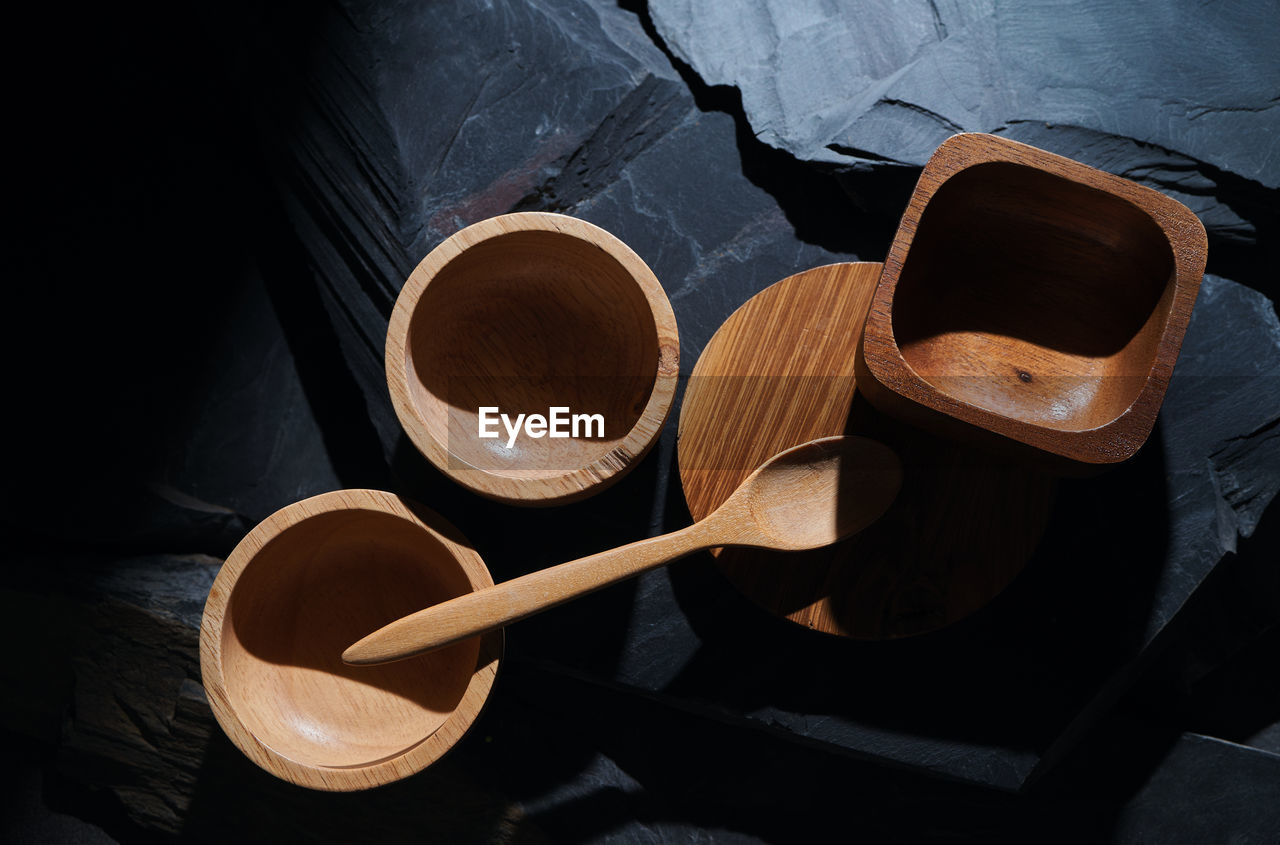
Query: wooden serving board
{"points": [[779, 372]]}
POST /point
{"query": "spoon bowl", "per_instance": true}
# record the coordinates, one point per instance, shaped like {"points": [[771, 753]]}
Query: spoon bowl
{"points": [[858, 477]]}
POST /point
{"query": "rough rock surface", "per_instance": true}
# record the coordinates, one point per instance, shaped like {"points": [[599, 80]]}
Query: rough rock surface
{"points": [[1234, 786], [141, 755], [887, 81], [1183, 97]]}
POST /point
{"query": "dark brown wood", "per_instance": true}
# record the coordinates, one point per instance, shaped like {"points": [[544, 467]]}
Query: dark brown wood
{"points": [[780, 371], [1034, 297]]}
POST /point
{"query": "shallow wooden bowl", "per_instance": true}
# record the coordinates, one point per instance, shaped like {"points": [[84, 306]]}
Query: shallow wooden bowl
{"points": [[302, 586], [1033, 297], [525, 313], [963, 525]]}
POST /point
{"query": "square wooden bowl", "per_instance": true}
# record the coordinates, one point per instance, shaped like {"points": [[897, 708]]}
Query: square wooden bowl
{"points": [[1033, 298]]}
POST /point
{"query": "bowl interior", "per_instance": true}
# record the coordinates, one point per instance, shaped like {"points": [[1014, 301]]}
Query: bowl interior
{"points": [[1034, 297], [314, 589], [528, 321]]}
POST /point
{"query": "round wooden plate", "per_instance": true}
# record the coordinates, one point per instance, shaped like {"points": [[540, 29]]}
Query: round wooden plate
{"points": [[779, 372]]}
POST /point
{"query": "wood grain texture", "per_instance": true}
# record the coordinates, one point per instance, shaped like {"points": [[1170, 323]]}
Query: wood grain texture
{"points": [[293, 594], [807, 497], [525, 312], [780, 371], [1033, 297]]}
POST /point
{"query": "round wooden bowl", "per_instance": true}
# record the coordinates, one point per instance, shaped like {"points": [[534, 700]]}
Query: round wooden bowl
{"points": [[525, 313], [963, 525], [302, 586]]}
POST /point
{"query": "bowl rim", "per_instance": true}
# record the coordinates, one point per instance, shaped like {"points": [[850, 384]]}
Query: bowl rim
{"points": [[571, 484], [377, 773], [881, 358]]}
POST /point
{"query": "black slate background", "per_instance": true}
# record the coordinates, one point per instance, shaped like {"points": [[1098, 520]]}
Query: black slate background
{"points": [[219, 207]]}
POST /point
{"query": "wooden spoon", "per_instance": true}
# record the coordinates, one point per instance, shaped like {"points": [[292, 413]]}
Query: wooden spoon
{"points": [[806, 497]]}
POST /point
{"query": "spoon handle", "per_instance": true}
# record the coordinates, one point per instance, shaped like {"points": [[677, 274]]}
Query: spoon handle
{"points": [[483, 610]]}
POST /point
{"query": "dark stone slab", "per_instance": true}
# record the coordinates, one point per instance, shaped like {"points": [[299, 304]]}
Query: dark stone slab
{"points": [[1136, 784], [887, 82], [27, 818], [993, 701], [869, 91], [1206, 790], [662, 710], [555, 757], [1240, 699], [1218, 677]]}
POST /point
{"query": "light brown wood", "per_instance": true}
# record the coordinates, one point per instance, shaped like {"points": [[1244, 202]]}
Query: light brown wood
{"points": [[1033, 297], [527, 312], [807, 497], [780, 371], [293, 594]]}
